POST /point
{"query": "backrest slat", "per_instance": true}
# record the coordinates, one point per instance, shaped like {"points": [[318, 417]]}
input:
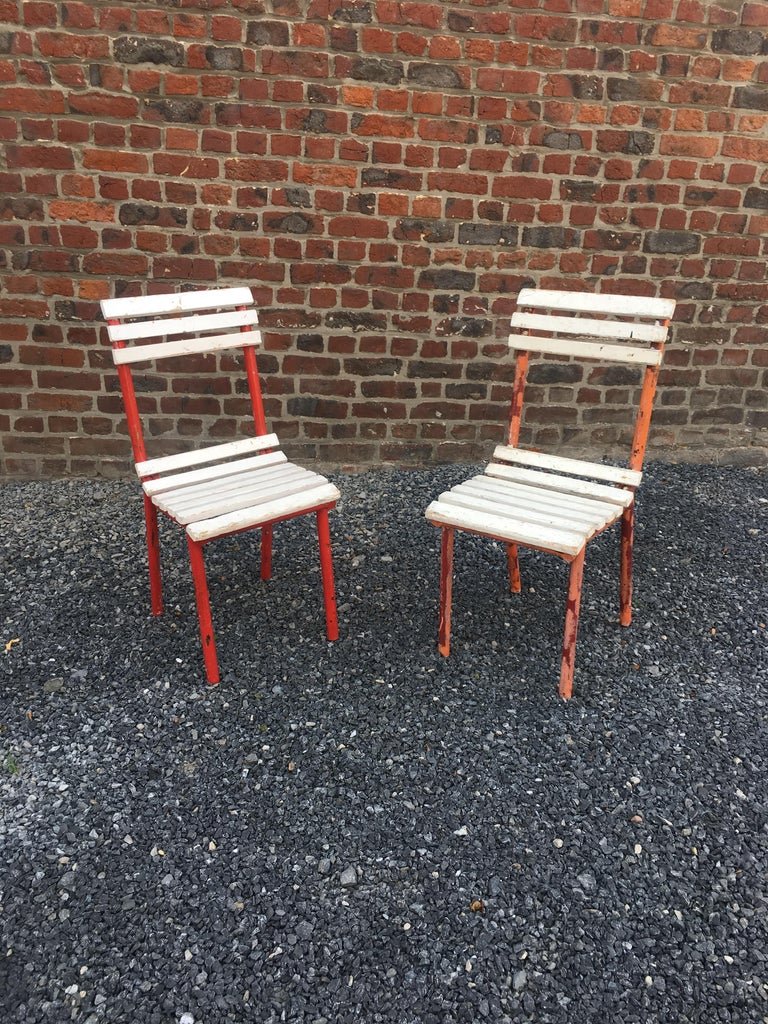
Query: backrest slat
{"points": [[577, 467], [585, 349], [182, 325], [589, 302], [178, 302], [185, 347], [617, 330], [202, 455]]}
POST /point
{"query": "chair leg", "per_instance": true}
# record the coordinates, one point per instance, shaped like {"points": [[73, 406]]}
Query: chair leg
{"points": [[203, 611], [153, 552], [266, 552], [326, 570], [571, 624], [513, 564], [446, 591], [625, 584]]}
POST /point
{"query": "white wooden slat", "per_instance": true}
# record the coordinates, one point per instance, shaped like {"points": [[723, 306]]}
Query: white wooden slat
{"points": [[578, 467], [270, 511], [591, 302], [249, 499], [500, 473], [175, 302], [502, 527], [182, 325], [185, 347], [226, 469], [178, 502], [526, 511], [210, 454], [585, 349], [567, 485], [550, 502], [619, 329]]}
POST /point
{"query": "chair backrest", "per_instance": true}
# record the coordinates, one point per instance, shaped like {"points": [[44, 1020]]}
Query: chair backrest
{"points": [[197, 322], [627, 329]]}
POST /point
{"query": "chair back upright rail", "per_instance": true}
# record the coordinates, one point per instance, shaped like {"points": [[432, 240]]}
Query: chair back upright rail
{"points": [[603, 334], [190, 314]]}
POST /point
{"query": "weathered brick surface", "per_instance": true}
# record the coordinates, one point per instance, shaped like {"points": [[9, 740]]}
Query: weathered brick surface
{"points": [[385, 176]]}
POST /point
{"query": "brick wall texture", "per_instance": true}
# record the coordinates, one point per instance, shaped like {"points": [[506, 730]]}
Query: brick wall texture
{"points": [[385, 176]]}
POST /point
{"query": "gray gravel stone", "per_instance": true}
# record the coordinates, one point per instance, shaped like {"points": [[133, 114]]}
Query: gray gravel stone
{"points": [[441, 784]]}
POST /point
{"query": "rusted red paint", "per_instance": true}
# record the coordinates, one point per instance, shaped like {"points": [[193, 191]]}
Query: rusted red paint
{"points": [[254, 384], [446, 590], [571, 624], [625, 584], [153, 551], [643, 420], [203, 611], [518, 393], [266, 552], [326, 570], [513, 565]]}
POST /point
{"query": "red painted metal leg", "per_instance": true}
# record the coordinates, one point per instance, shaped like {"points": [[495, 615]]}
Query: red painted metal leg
{"points": [[203, 611], [513, 564], [625, 585], [446, 591], [571, 625], [326, 569], [153, 551], [266, 552]]}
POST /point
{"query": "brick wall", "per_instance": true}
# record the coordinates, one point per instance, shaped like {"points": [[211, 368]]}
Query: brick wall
{"points": [[386, 176]]}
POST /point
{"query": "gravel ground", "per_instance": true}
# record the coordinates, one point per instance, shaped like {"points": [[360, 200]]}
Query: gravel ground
{"points": [[365, 831]]}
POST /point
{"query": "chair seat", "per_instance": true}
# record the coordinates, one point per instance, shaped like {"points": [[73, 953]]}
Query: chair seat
{"points": [[245, 498], [532, 508]]}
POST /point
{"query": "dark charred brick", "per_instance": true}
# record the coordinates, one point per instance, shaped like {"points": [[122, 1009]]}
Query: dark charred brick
{"points": [[614, 376], [293, 223], [756, 198], [694, 290], [550, 237], [315, 122], [6, 42], [612, 241], [184, 111], [356, 320], [321, 93], [465, 327], [224, 58], [459, 22], [554, 373], [612, 60], [629, 90], [436, 76], [370, 69], [751, 97], [586, 87], [743, 41], [562, 140], [94, 74], [143, 50], [447, 279], [268, 33], [21, 209], [310, 343], [418, 229], [236, 221], [488, 234], [6, 353], [466, 391], [683, 242], [675, 65], [145, 213], [358, 14], [492, 136], [373, 367], [297, 196], [580, 191]]}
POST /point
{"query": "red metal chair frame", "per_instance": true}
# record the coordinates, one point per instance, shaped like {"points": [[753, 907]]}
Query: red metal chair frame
{"points": [[576, 561], [195, 547]]}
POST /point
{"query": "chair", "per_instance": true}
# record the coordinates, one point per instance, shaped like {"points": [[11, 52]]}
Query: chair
{"points": [[225, 488], [549, 502]]}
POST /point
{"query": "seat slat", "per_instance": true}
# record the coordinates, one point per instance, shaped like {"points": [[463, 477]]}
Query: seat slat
{"points": [[538, 498], [578, 467], [504, 528], [182, 325], [563, 484], [185, 347], [242, 519], [527, 511], [247, 498], [227, 469], [262, 479], [210, 454], [180, 302], [585, 349], [588, 302], [618, 329]]}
